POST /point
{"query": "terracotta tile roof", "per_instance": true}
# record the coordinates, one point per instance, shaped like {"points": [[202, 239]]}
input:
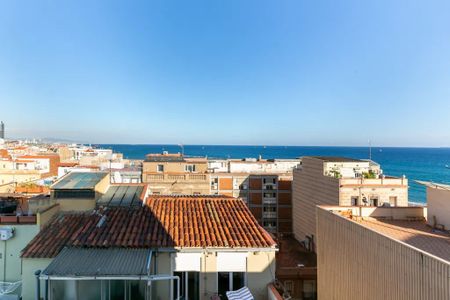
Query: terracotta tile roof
{"points": [[165, 222]]}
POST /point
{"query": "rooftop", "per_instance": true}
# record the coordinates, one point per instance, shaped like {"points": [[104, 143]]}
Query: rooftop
{"points": [[79, 180], [94, 262], [337, 159], [415, 233], [430, 184], [294, 260], [165, 157], [165, 222], [123, 195]]}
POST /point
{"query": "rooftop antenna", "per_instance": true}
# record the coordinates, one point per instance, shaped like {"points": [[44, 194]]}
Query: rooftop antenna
{"points": [[182, 149], [370, 150]]}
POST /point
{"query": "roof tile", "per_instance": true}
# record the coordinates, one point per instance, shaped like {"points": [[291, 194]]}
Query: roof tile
{"points": [[164, 222]]}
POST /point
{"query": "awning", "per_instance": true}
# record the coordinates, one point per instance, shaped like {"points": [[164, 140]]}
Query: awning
{"points": [[94, 262]]}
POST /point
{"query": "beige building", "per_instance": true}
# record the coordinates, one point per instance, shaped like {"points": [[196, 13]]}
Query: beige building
{"points": [[16, 232], [438, 204], [343, 182], [176, 174], [207, 244], [381, 253]]}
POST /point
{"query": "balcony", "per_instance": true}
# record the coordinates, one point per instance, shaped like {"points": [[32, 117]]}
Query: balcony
{"points": [[270, 200], [167, 177], [269, 215]]}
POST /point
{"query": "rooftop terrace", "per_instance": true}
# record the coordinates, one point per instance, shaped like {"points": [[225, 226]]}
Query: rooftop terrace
{"points": [[404, 224], [415, 233]]}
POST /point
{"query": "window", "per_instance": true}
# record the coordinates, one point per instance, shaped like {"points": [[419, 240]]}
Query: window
{"points": [[189, 285], [393, 200], [270, 195], [189, 168], [160, 168], [354, 201], [309, 289], [374, 201], [289, 286], [229, 281], [270, 209]]}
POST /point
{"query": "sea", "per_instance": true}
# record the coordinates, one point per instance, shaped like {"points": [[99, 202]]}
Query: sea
{"points": [[428, 164]]}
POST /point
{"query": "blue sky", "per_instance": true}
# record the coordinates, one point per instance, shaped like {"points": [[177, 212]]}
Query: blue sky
{"points": [[227, 72]]}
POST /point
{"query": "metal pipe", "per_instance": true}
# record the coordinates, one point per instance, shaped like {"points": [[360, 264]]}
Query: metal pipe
{"points": [[46, 290], [38, 284]]}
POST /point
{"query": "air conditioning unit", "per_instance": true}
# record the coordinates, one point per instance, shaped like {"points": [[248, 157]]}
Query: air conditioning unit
{"points": [[6, 233]]}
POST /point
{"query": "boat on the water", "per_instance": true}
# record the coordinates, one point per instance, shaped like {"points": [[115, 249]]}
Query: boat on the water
{"points": [[447, 166]]}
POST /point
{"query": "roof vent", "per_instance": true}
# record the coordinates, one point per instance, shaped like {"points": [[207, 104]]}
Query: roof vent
{"points": [[101, 221]]}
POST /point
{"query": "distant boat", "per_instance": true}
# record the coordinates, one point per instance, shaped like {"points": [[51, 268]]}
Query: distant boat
{"points": [[447, 166]]}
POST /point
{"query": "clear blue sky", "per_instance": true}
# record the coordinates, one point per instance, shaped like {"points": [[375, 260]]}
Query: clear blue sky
{"points": [[227, 72]]}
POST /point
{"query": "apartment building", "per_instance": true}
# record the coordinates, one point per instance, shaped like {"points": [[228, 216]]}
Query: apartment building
{"points": [[264, 184], [340, 181], [25, 169], [382, 253], [267, 195], [173, 247], [176, 174]]}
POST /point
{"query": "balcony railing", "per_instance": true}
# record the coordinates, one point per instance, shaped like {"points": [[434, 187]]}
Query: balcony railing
{"points": [[270, 200], [270, 214], [176, 177]]}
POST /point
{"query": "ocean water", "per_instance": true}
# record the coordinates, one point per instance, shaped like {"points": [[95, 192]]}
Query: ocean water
{"points": [[427, 164]]}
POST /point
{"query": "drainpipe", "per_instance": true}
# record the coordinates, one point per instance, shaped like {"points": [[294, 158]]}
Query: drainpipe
{"points": [[46, 290], [38, 285]]}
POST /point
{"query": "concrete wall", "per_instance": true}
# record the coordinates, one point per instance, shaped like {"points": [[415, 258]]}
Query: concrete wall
{"points": [[29, 266], [354, 262], [438, 203], [76, 204], [102, 186], [310, 188], [260, 272]]}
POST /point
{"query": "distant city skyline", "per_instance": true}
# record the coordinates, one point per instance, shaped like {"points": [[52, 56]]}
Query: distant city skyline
{"points": [[227, 73]]}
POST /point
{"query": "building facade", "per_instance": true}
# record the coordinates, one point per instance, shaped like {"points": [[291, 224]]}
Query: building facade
{"points": [[268, 195], [343, 182], [175, 174], [173, 247]]}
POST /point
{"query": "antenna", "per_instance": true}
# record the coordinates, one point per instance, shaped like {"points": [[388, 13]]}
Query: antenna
{"points": [[182, 149]]}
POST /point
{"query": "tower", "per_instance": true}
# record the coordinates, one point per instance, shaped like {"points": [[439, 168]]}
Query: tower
{"points": [[2, 130]]}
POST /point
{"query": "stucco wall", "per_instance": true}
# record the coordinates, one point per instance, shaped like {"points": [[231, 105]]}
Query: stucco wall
{"points": [[10, 262], [75, 204], [438, 203], [29, 266]]}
